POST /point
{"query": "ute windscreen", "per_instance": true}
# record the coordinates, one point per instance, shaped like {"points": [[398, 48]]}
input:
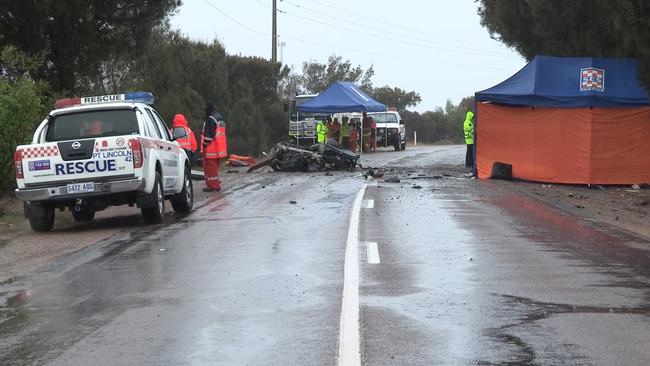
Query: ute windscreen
{"points": [[91, 124], [384, 118]]}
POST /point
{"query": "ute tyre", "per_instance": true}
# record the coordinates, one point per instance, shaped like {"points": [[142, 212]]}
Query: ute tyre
{"points": [[184, 201], [154, 212], [41, 217], [83, 215]]}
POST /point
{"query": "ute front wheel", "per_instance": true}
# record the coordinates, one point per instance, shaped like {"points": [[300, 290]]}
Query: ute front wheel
{"points": [[153, 210], [184, 201]]}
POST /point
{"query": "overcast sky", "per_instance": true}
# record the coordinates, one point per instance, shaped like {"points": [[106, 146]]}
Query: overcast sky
{"points": [[436, 47]]}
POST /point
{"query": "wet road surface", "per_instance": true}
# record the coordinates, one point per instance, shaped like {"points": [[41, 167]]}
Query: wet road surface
{"points": [[451, 272]]}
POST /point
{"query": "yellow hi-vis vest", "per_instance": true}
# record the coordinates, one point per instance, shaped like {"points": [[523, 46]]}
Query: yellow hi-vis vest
{"points": [[345, 130], [468, 128], [322, 131]]}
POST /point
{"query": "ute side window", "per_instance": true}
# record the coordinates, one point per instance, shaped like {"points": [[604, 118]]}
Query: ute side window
{"points": [[160, 124], [151, 125], [156, 126]]}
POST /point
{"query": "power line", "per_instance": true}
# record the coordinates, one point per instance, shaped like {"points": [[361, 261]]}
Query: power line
{"points": [[261, 3], [402, 42], [392, 56], [346, 11], [330, 46], [235, 20], [410, 37]]}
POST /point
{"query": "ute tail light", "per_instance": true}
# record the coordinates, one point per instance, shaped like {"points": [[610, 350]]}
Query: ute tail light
{"points": [[18, 164], [136, 151]]}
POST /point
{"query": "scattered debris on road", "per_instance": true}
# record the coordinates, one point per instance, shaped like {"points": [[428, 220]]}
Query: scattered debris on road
{"points": [[293, 202]]}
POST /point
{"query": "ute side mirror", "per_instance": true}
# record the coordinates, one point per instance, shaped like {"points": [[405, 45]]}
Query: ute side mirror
{"points": [[179, 133], [401, 122], [285, 107]]}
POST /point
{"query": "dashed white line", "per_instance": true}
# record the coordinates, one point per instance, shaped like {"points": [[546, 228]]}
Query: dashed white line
{"points": [[349, 354], [369, 204], [372, 253]]}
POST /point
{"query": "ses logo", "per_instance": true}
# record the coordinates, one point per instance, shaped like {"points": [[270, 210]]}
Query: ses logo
{"points": [[592, 79], [39, 165]]}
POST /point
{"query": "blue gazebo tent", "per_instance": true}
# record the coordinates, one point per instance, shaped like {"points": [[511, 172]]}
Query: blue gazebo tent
{"points": [[340, 97]]}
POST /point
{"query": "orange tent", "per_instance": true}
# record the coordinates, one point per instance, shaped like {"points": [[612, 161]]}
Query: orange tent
{"points": [[567, 125]]}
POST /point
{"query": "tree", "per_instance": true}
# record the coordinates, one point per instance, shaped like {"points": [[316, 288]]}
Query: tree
{"points": [[184, 74], [21, 107], [441, 125], [599, 28], [396, 97], [78, 36], [317, 76]]}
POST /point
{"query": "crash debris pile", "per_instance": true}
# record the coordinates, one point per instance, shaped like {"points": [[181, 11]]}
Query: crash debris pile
{"points": [[322, 157]]}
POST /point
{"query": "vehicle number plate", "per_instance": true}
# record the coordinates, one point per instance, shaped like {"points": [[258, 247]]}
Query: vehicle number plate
{"points": [[81, 187]]}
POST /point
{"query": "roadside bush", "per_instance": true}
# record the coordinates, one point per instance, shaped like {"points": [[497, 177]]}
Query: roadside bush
{"points": [[21, 109], [439, 126]]}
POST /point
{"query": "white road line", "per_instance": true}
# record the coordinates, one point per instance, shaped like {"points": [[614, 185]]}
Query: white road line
{"points": [[369, 204], [349, 353], [372, 253]]}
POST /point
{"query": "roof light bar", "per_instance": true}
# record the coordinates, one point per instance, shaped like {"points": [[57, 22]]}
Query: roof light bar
{"points": [[135, 97]]}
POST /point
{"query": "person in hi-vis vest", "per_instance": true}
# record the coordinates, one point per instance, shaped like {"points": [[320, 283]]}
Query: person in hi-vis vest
{"points": [[213, 139], [468, 132], [187, 143]]}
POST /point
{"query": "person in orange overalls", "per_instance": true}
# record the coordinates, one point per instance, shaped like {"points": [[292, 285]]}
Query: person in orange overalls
{"points": [[187, 143], [373, 134], [354, 136], [213, 140], [367, 133]]}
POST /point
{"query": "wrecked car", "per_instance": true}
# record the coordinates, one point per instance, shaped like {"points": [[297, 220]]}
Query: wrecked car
{"points": [[320, 157]]}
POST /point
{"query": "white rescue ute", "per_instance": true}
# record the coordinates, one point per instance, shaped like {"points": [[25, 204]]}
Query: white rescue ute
{"points": [[93, 152]]}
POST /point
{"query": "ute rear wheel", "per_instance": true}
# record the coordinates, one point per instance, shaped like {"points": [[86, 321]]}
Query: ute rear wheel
{"points": [[184, 201], [153, 211], [41, 217]]}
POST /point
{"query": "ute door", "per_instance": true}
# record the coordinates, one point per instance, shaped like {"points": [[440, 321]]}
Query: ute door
{"points": [[169, 153]]}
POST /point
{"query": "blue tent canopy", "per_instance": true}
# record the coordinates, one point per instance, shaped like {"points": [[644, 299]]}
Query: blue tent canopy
{"points": [[571, 82], [342, 97]]}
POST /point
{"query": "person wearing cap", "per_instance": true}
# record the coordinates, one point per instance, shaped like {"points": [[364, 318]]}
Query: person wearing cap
{"points": [[187, 143], [213, 140]]}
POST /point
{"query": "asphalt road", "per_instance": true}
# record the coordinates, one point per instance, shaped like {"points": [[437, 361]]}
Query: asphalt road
{"points": [[442, 270]]}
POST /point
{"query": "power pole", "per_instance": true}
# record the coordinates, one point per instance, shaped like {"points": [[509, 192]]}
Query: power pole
{"points": [[274, 46]]}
